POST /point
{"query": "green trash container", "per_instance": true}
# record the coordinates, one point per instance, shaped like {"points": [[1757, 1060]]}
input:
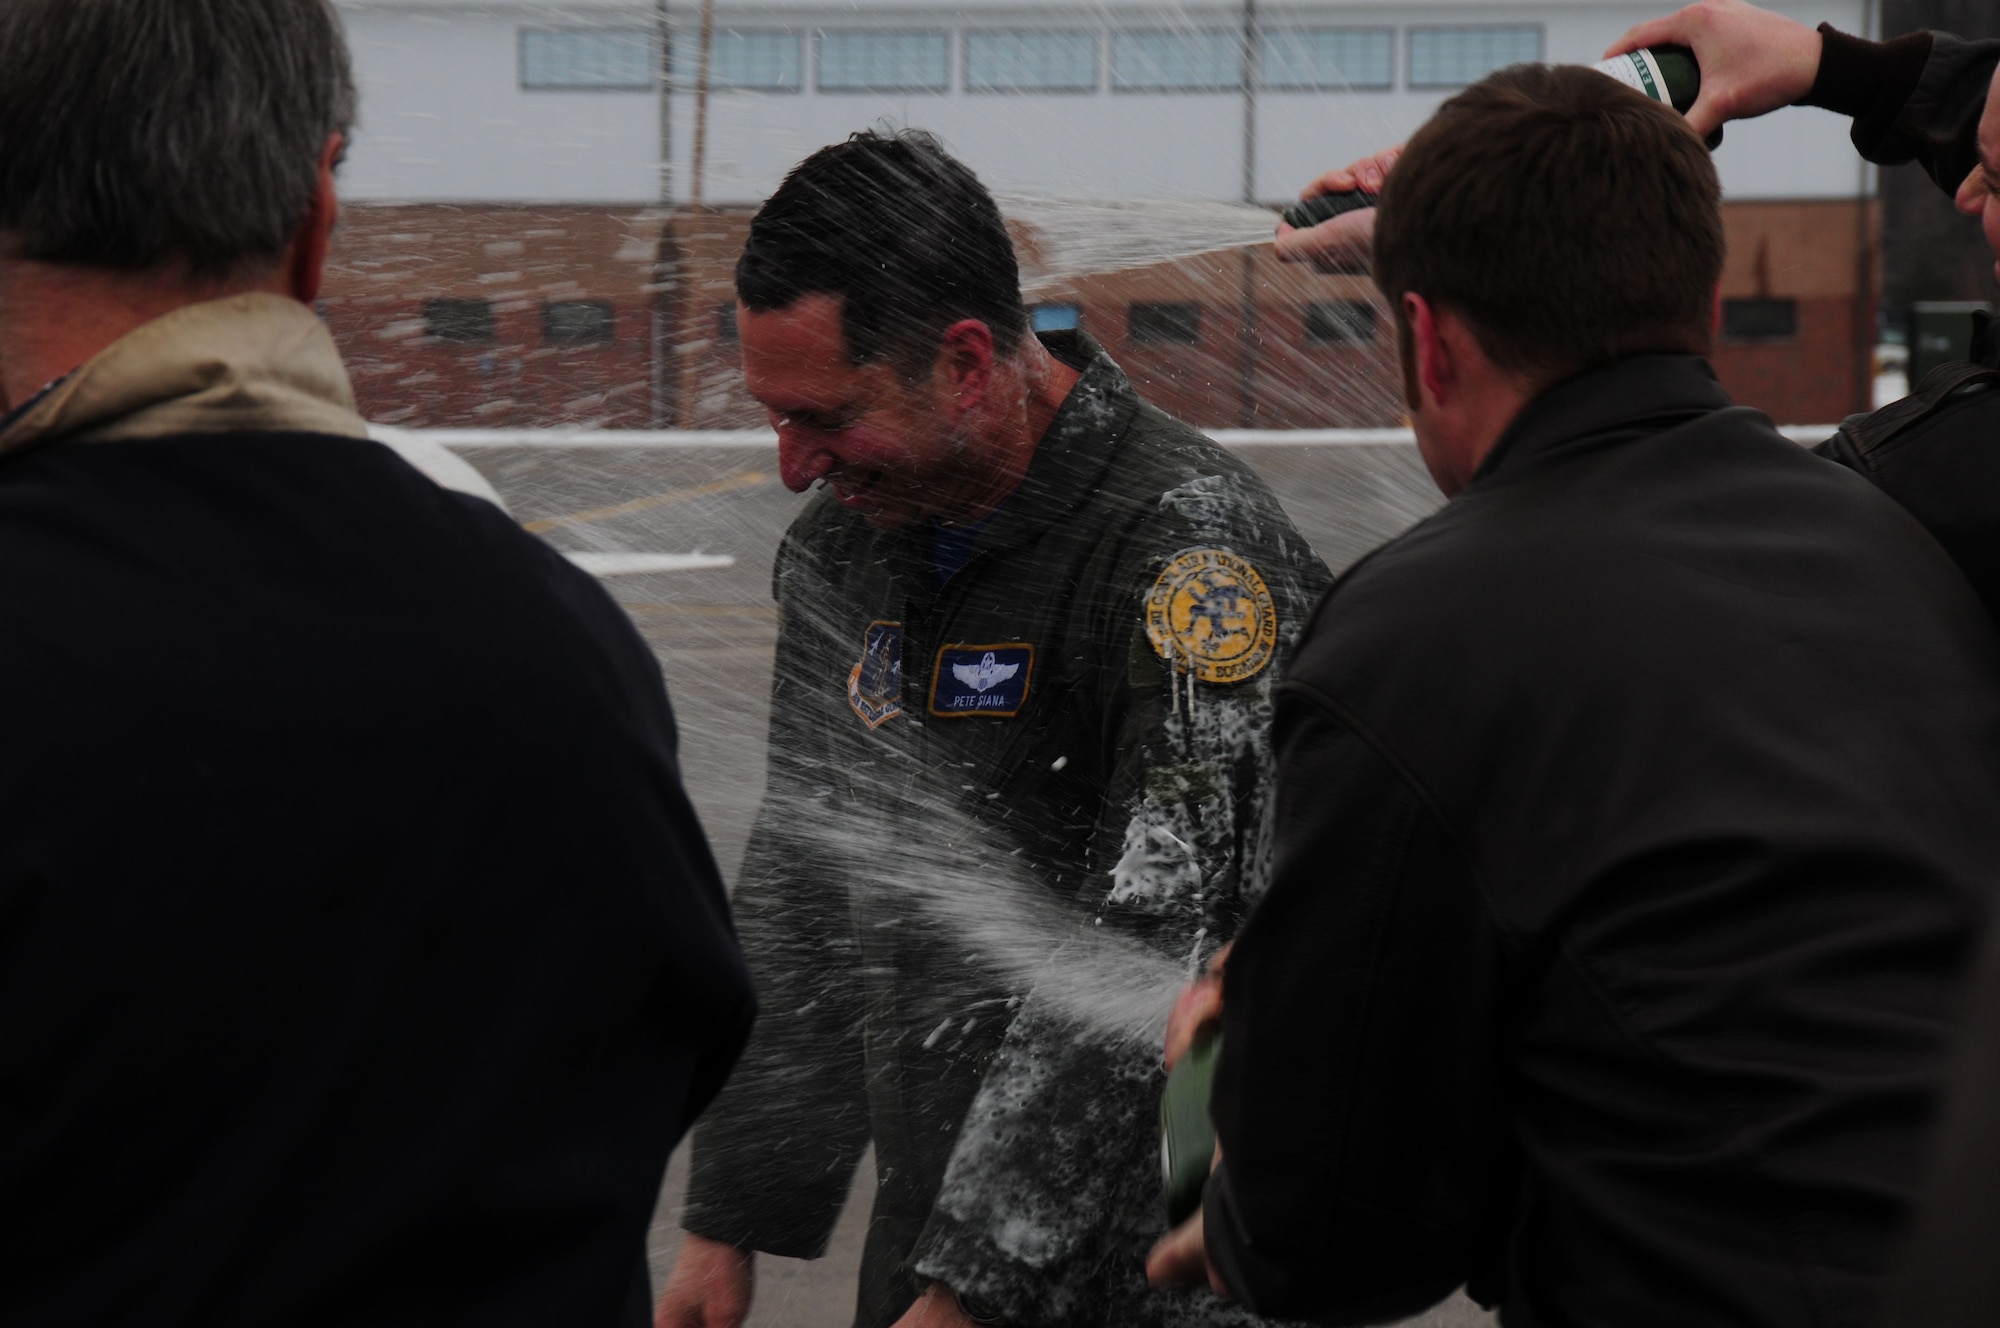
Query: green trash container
{"points": [[1940, 332]]}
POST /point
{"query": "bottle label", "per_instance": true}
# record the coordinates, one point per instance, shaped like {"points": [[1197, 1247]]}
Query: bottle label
{"points": [[1638, 69]]}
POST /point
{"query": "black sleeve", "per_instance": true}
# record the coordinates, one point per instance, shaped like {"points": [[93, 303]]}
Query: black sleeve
{"points": [[1915, 98], [774, 1156], [1948, 1277], [1357, 1095]]}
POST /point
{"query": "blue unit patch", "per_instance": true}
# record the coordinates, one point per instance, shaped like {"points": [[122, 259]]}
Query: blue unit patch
{"points": [[875, 686], [981, 680]]}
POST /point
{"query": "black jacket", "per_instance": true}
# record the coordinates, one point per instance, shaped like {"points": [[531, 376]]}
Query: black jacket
{"points": [[1919, 98], [1636, 815], [968, 908], [361, 958]]}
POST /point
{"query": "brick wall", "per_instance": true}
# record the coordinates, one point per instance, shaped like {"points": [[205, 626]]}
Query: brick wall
{"points": [[388, 263], [1819, 255], [671, 359]]}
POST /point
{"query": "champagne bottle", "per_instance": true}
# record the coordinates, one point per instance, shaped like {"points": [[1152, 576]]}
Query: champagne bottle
{"points": [[1187, 1137], [1665, 73]]}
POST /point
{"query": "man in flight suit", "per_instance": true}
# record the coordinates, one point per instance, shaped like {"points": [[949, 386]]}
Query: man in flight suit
{"points": [[1019, 768]]}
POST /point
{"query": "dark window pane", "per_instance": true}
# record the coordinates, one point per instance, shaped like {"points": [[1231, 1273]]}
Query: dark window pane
{"points": [[752, 59], [1030, 61], [577, 323], [1330, 59], [725, 321], [1760, 320], [1176, 61], [1163, 324], [1055, 317], [467, 322], [1340, 322], [584, 58], [863, 61], [1455, 57]]}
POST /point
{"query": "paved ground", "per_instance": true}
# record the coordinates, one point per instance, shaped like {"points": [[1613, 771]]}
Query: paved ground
{"points": [[713, 630]]}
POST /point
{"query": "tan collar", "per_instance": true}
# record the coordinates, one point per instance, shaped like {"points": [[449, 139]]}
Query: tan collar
{"points": [[255, 361]]}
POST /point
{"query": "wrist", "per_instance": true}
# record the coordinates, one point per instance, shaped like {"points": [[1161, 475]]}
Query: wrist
{"points": [[1861, 78]]}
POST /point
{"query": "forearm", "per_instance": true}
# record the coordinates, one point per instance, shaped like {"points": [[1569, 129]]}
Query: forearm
{"points": [[1354, 1096], [1916, 98]]}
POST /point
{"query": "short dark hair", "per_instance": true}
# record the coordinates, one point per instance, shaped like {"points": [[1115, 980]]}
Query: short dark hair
{"points": [[903, 232], [136, 134], [1570, 220]]}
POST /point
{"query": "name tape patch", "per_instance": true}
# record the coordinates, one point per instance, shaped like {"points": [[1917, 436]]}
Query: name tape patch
{"points": [[875, 687], [981, 680]]}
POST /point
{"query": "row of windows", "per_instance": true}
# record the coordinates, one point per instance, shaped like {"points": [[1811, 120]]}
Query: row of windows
{"points": [[1188, 60], [1164, 323], [564, 322]]}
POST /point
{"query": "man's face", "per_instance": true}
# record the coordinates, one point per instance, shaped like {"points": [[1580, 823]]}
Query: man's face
{"points": [[891, 449], [1979, 196]]}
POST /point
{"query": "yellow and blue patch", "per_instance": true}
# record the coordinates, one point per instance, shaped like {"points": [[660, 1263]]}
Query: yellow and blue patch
{"points": [[1211, 614], [982, 680], [875, 687]]}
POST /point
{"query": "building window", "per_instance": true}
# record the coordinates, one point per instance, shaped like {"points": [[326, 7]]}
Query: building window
{"points": [[1454, 57], [589, 58], [725, 321], [1055, 317], [1163, 324], [1340, 323], [743, 59], [578, 323], [1030, 62], [884, 62], [1329, 59], [1209, 61], [1760, 320], [464, 322]]}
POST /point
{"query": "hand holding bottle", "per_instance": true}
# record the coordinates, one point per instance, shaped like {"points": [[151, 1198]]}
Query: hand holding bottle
{"points": [[1342, 243], [1752, 60]]}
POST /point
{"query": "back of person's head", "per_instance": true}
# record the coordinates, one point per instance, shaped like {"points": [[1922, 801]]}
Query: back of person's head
{"points": [[1570, 220], [903, 232], [165, 134]]}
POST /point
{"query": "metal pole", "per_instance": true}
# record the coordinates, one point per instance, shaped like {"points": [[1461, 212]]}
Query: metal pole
{"points": [[665, 33], [1252, 59], [1866, 238], [1246, 364], [665, 265], [701, 101]]}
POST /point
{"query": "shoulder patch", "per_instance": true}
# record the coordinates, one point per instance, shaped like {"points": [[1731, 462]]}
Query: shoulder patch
{"points": [[875, 686], [1210, 612]]}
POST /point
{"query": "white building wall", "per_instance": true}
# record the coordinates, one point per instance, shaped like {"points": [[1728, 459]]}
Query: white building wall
{"points": [[444, 116]]}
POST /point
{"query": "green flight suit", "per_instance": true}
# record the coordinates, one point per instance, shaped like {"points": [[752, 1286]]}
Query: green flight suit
{"points": [[1004, 815]]}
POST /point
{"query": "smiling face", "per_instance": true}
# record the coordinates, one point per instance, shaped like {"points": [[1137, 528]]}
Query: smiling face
{"points": [[891, 449], [1979, 196]]}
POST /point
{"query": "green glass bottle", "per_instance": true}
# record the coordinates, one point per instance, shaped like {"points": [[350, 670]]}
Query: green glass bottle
{"points": [[1665, 73], [1187, 1136]]}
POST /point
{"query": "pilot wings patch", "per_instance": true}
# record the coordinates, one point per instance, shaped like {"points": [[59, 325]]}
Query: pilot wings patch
{"points": [[981, 680], [986, 674]]}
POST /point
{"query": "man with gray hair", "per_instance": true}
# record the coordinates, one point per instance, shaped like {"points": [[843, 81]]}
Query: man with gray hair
{"points": [[361, 958]]}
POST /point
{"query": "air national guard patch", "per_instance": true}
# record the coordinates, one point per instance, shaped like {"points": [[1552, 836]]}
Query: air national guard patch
{"points": [[1212, 613], [981, 680], [875, 687]]}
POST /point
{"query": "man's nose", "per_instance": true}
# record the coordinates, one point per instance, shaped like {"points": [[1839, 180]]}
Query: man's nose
{"points": [[1971, 197], [800, 460]]}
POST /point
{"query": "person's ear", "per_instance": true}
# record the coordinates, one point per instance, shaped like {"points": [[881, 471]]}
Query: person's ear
{"points": [[967, 361], [1437, 368], [305, 260]]}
